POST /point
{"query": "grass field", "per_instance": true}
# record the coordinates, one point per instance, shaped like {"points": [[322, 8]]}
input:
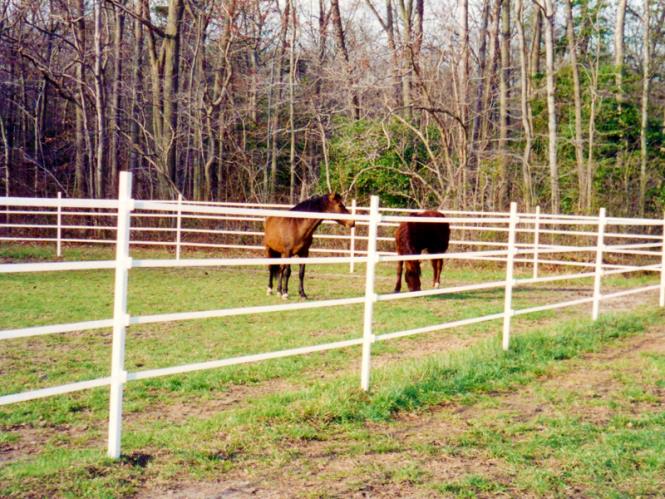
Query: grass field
{"points": [[573, 409]]}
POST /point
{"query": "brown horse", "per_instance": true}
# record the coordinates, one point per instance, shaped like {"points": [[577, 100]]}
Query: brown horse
{"points": [[287, 237], [412, 238]]}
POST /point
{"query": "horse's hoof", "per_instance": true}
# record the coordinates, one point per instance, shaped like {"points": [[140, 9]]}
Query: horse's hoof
{"points": [[285, 296], [303, 296], [269, 291], [436, 285]]}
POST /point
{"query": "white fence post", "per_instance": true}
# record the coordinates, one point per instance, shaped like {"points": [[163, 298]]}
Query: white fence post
{"points": [[662, 269], [178, 228], [600, 245], [352, 248], [370, 295], [58, 247], [536, 242], [510, 261], [120, 316]]}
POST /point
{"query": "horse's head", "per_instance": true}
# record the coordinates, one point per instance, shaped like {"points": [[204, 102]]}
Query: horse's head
{"points": [[333, 204], [412, 274]]}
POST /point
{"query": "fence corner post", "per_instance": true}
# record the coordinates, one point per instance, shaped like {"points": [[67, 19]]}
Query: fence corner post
{"points": [[352, 245], [370, 295], [662, 268], [598, 272], [510, 263], [58, 248], [178, 233], [120, 317], [536, 242]]}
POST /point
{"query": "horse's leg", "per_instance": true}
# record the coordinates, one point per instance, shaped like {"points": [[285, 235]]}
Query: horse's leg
{"points": [[398, 284], [301, 277], [301, 274], [284, 274], [270, 278], [280, 270], [272, 269], [437, 265], [285, 288]]}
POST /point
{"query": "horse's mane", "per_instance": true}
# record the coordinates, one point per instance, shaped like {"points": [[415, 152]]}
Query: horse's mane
{"points": [[315, 204]]}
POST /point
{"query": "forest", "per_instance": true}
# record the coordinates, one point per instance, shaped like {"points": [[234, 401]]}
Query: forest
{"points": [[439, 103]]}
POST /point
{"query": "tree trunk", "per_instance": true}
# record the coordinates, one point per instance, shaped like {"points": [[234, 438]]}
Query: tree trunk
{"points": [[100, 103], [407, 29], [388, 25], [593, 91], [618, 76], [114, 122], [467, 179], [577, 97], [277, 101], [489, 79], [80, 141], [6, 151], [525, 107], [479, 99], [171, 48], [394, 56], [504, 84], [646, 80], [534, 63], [137, 66], [292, 124], [341, 42], [619, 48], [155, 80], [551, 106]]}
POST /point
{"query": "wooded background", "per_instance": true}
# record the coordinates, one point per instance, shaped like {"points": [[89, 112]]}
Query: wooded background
{"points": [[451, 103]]}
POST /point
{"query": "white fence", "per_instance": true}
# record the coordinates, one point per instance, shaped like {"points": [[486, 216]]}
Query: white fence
{"points": [[177, 228], [530, 227]]}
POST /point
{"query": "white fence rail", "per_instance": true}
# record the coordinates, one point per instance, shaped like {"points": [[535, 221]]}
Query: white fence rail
{"points": [[180, 236], [510, 251]]}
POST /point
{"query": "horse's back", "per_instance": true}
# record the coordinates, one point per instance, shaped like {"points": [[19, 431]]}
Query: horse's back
{"points": [[414, 237]]}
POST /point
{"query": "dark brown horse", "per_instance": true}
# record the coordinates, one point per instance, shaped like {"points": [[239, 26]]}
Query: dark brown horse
{"points": [[412, 238], [288, 237]]}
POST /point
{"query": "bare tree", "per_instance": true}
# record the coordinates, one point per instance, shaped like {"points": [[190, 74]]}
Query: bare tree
{"points": [[336, 18], [137, 63], [464, 74], [577, 97], [292, 112], [388, 25], [619, 45], [100, 101], [548, 14], [115, 97], [525, 107], [504, 84], [646, 80], [479, 98]]}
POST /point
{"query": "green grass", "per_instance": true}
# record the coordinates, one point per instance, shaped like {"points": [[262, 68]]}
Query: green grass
{"points": [[183, 428], [619, 455]]}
